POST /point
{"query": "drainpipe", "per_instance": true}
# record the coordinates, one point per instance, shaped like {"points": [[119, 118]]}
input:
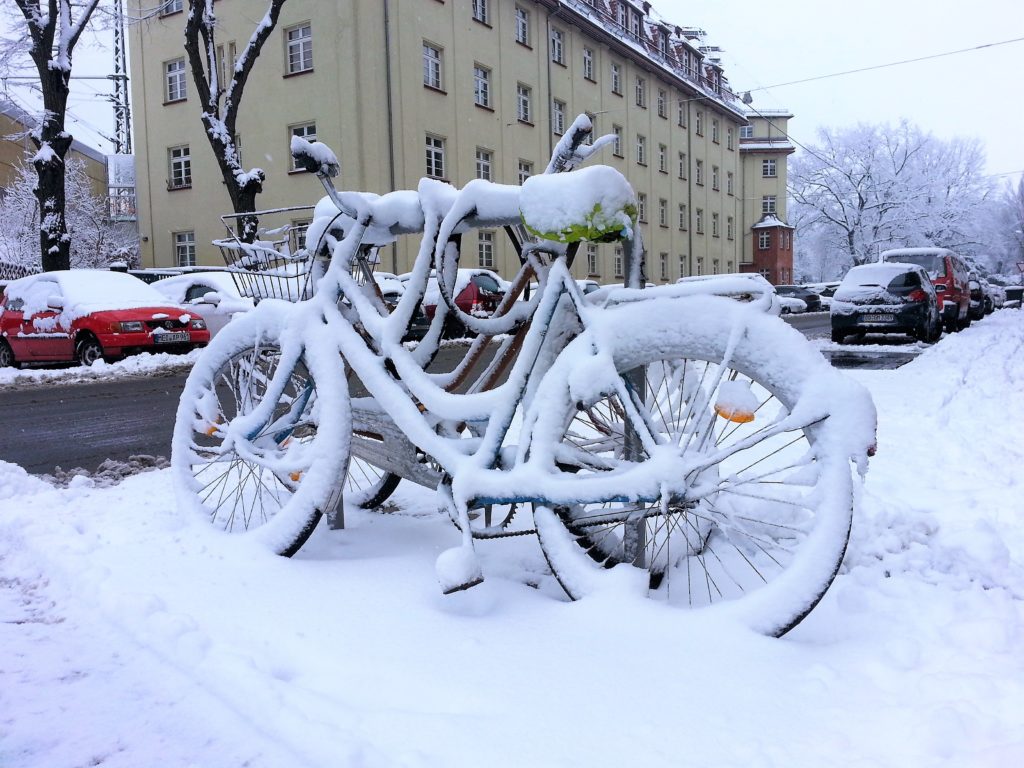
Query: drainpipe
{"points": [[391, 119], [689, 189], [551, 112]]}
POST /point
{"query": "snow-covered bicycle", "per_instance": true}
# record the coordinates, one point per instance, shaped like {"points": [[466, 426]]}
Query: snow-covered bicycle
{"points": [[694, 441]]}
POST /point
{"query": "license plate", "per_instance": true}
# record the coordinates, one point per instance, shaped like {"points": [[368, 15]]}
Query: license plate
{"points": [[879, 318], [171, 338]]}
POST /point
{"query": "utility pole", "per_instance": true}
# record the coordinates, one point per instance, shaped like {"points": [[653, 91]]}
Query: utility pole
{"points": [[122, 110]]}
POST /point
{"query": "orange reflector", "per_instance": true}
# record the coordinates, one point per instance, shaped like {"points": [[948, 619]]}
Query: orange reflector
{"points": [[295, 476], [211, 430], [737, 415]]}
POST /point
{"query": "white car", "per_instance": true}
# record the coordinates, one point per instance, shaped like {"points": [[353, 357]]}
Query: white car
{"points": [[214, 296], [791, 305]]}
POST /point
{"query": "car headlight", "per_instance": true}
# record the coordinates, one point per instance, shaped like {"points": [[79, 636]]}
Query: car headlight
{"points": [[132, 326], [198, 324]]}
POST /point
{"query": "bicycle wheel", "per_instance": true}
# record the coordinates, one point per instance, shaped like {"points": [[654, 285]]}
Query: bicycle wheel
{"points": [[366, 485], [756, 519], [260, 440]]}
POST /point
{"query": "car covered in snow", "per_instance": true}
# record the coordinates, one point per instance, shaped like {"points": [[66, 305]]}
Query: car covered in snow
{"points": [[214, 296], [476, 292], [85, 315], [811, 300], [886, 298], [948, 273]]}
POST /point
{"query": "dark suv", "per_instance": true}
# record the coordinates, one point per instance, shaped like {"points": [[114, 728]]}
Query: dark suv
{"points": [[809, 297], [886, 298]]}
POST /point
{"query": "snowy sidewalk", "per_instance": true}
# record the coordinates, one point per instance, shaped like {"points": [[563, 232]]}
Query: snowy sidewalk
{"points": [[130, 636]]}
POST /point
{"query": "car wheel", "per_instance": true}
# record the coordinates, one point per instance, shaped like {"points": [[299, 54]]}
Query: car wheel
{"points": [[88, 351], [7, 356], [838, 336]]}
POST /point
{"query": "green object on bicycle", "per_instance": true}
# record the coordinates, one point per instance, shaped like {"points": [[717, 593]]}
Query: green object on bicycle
{"points": [[595, 204]]}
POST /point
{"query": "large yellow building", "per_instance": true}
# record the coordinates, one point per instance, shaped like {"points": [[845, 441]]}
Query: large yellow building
{"points": [[456, 89]]}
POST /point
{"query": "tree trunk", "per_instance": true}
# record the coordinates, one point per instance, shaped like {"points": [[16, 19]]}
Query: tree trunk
{"points": [[54, 242]]}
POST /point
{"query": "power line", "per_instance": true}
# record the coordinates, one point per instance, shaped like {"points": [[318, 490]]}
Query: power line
{"points": [[890, 64]]}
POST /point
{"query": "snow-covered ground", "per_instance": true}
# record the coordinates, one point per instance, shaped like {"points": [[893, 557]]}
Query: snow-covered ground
{"points": [[133, 636]]}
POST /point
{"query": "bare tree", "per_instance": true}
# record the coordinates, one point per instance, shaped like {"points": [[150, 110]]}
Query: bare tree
{"points": [[53, 33], [871, 187], [96, 241], [220, 101]]}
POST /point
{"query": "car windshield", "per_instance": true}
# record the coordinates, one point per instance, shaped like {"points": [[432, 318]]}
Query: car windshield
{"points": [[933, 263], [790, 290], [487, 283]]}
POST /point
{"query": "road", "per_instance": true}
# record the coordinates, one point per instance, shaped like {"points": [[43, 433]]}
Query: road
{"points": [[81, 425]]}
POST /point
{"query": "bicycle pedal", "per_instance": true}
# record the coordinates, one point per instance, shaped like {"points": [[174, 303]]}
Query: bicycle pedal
{"points": [[463, 587]]}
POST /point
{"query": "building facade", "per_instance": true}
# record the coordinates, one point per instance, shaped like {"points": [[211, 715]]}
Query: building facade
{"points": [[456, 90]]}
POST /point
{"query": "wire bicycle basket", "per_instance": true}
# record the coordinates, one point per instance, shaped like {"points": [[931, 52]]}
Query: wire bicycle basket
{"points": [[277, 264]]}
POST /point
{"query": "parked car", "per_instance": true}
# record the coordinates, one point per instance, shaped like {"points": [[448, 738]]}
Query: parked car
{"points": [[85, 315], [742, 286], [886, 298], [807, 296], [392, 289], [792, 305], [825, 292], [476, 292], [994, 296], [214, 296], [948, 272], [1014, 295], [976, 307]]}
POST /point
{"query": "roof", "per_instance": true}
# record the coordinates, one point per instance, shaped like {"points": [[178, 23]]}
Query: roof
{"points": [[28, 121], [766, 145], [770, 220]]}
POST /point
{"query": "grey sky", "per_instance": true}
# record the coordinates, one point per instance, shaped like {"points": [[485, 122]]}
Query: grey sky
{"points": [[975, 94]]}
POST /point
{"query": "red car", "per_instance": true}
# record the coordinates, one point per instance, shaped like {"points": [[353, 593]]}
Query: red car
{"points": [[85, 314], [477, 292]]}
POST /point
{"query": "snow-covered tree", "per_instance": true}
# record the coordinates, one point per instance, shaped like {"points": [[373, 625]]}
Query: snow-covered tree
{"points": [[95, 240], [54, 28], [861, 190], [220, 101]]}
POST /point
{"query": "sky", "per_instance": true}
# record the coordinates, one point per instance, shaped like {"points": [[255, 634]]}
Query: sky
{"points": [[963, 95], [974, 94]]}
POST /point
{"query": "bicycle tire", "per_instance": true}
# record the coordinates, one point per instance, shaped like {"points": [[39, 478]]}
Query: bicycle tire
{"points": [[274, 486], [766, 554]]}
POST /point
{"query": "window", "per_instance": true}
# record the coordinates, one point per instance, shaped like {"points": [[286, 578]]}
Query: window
{"points": [[698, 221], [714, 130], [729, 138], [641, 206], [484, 163], [558, 46], [699, 172], [682, 165], [172, 6], [764, 240], [768, 169], [700, 265], [714, 177], [185, 248], [682, 217], [616, 78], [681, 113], [558, 116], [729, 183], [662, 103], [180, 162], [523, 98], [714, 266], [593, 268], [297, 234], [485, 248], [641, 92], [432, 66], [746, 131], [698, 123], [768, 204], [617, 144], [300, 48], [663, 158], [588, 63], [480, 11], [482, 86], [641, 150], [682, 265], [435, 156], [522, 26], [730, 227], [663, 212], [617, 261], [525, 171], [620, 15], [305, 131], [174, 77], [714, 224], [222, 59], [663, 260]]}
